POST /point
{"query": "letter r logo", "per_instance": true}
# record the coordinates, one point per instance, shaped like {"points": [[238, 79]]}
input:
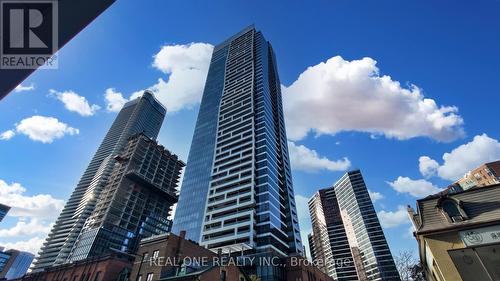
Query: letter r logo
{"points": [[17, 28], [28, 27]]}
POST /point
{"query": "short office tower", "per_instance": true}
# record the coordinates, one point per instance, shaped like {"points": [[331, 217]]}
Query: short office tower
{"points": [[4, 209], [135, 203], [237, 191], [329, 242], [347, 235], [14, 263], [144, 114]]}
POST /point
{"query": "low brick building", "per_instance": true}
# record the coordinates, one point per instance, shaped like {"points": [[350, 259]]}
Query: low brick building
{"points": [[484, 175], [105, 268], [162, 255], [170, 257], [211, 273], [299, 268]]}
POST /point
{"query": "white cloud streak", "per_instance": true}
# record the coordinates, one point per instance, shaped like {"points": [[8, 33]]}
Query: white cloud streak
{"points": [[32, 245], [7, 135], [22, 228], [391, 219], [33, 214], [416, 188], [22, 88], [375, 196], [40, 206], [75, 103], [308, 160]]}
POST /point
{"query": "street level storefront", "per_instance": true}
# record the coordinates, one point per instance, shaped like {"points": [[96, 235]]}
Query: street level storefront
{"points": [[458, 234]]}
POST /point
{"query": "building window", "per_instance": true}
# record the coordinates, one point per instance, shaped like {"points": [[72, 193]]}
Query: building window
{"points": [[145, 256], [156, 254], [223, 275], [139, 278], [452, 209], [97, 275], [149, 277]]}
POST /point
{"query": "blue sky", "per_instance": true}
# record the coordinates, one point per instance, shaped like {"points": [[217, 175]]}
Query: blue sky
{"points": [[383, 84]]}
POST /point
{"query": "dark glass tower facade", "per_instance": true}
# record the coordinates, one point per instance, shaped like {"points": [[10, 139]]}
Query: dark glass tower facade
{"points": [[193, 194], [135, 203], [363, 228], [4, 209], [347, 233], [14, 264], [239, 194], [328, 244], [142, 115]]}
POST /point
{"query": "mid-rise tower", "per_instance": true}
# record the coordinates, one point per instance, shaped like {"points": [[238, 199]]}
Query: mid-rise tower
{"points": [[347, 236], [135, 203]]}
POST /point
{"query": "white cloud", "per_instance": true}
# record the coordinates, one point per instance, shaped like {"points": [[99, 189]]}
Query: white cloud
{"points": [[416, 188], [44, 129], [21, 88], [427, 166], [7, 135], [187, 67], [41, 206], [76, 103], [114, 100], [339, 95], [33, 214], [390, 219], [31, 245], [308, 160], [136, 94], [481, 149], [22, 228], [375, 196]]}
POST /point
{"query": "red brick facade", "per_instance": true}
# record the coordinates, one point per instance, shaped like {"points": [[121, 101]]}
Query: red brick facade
{"points": [[300, 269], [104, 268]]}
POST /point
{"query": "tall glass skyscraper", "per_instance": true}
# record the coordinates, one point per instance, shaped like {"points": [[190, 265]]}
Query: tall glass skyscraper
{"points": [[142, 115], [347, 233], [237, 191]]}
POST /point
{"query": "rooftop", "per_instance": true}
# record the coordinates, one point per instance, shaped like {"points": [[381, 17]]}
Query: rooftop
{"points": [[482, 206]]}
